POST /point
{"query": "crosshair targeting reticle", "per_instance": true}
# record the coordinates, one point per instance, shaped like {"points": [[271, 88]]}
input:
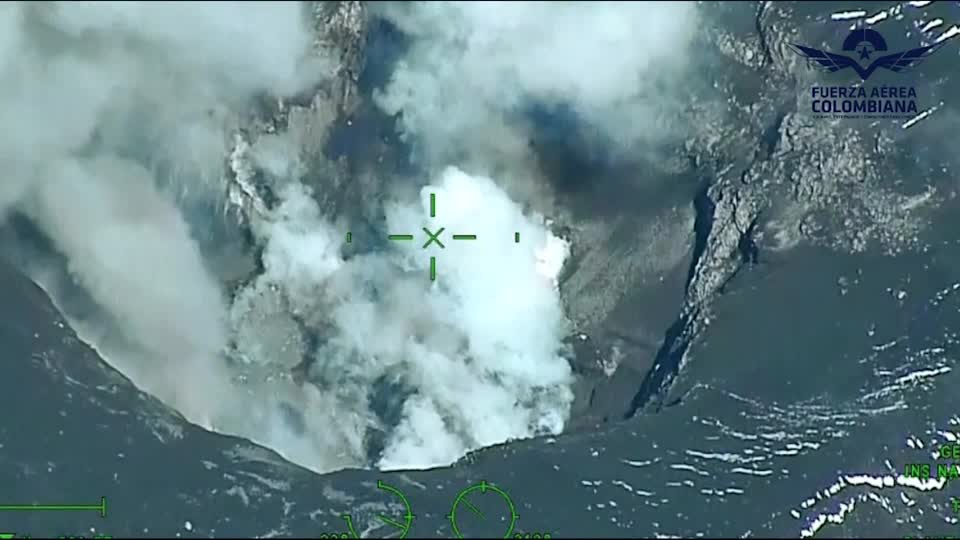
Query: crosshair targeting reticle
{"points": [[434, 237], [488, 506]]}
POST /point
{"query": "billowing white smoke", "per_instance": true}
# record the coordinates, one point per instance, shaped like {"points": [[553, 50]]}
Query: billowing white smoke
{"points": [[95, 99], [473, 64], [130, 248], [94, 96], [507, 379], [478, 351]]}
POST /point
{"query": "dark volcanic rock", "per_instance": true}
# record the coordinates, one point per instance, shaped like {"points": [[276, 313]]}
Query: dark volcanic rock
{"points": [[75, 431]]}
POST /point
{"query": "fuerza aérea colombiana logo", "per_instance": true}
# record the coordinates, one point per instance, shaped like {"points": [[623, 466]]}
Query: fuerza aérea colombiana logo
{"points": [[866, 53]]}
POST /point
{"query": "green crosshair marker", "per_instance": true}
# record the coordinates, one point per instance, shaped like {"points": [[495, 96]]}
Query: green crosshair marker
{"points": [[432, 237]]}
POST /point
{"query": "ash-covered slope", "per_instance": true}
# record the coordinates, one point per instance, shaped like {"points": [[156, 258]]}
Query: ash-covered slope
{"points": [[719, 465], [774, 178]]}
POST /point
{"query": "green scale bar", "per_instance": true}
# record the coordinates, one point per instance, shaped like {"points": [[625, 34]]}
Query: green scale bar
{"points": [[100, 508]]}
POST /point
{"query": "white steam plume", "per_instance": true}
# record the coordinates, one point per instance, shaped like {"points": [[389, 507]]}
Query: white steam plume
{"points": [[93, 97], [472, 66], [130, 248], [404, 372], [475, 356], [507, 380]]}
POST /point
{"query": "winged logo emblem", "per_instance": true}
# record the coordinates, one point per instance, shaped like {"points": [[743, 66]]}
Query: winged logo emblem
{"points": [[870, 40]]}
